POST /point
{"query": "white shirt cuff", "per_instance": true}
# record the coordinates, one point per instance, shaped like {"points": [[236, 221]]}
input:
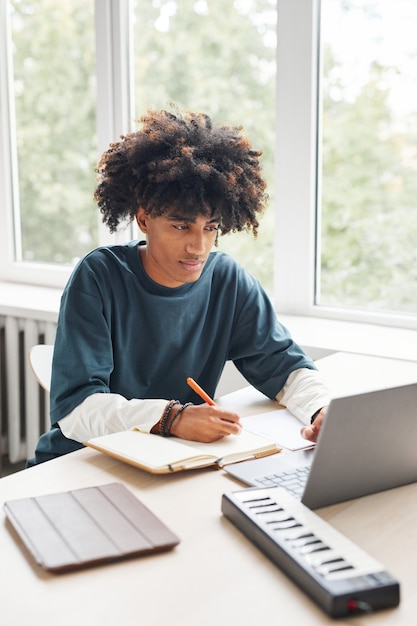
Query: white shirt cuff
{"points": [[105, 413], [304, 393]]}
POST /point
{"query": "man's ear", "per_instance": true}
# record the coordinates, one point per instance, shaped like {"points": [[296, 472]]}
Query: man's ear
{"points": [[142, 220]]}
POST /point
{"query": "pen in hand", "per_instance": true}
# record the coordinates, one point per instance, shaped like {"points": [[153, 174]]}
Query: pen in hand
{"points": [[200, 392]]}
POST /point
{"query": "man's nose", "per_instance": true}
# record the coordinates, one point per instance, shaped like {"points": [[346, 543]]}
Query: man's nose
{"points": [[196, 243]]}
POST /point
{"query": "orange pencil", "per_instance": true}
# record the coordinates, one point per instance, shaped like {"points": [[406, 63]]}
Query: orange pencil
{"points": [[200, 392]]}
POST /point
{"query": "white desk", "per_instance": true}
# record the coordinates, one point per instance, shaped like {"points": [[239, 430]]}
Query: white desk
{"points": [[215, 576]]}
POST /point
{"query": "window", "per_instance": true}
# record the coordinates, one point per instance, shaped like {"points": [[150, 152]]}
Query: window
{"points": [[336, 123], [346, 160], [224, 66], [54, 137], [217, 57], [368, 195]]}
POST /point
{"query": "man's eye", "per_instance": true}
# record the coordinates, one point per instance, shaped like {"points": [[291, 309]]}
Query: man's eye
{"points": [[213, 228], [181, 226]]}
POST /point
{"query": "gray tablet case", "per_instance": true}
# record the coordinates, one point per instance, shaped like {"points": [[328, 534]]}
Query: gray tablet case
{"points": [[84, 527]]}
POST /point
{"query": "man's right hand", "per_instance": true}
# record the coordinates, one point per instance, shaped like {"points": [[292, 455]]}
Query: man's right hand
{"points": [[205, 423]]}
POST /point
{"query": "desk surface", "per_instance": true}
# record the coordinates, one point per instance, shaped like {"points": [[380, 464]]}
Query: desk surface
{"points": [[214, 576]]}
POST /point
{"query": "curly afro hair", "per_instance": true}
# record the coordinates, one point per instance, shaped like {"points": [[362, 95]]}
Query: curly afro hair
{"points": [[180, 160]]}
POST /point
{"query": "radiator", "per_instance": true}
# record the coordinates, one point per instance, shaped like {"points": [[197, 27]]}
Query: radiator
{"points": [[24, 405]]}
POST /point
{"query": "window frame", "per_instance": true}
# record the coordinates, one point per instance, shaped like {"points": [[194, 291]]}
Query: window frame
{"points": [[298, 172]]}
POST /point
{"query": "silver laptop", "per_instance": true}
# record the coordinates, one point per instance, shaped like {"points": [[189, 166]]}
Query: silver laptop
{"points": [[368, 443]]}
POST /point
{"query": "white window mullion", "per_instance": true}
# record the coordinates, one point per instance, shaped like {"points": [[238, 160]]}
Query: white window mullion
{"points": [[296, 145], [114, 83]]}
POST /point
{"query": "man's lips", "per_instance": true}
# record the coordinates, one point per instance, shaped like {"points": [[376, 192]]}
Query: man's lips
{"points": [[192, 265]]}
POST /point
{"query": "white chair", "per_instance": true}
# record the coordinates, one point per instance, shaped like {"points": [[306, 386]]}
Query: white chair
{"points": [[40, 359]]}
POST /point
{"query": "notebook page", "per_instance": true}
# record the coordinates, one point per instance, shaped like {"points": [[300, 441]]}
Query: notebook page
{"points": [[280, 426]]}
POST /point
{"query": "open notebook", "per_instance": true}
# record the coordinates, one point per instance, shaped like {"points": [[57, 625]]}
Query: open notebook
{"points": [[162, 455]]}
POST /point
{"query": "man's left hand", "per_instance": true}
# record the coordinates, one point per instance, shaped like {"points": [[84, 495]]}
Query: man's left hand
{"points": [[312, 432]]}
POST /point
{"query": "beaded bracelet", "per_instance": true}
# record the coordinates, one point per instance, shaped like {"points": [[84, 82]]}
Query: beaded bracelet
{"points": [[167, 432], [165, 416]]}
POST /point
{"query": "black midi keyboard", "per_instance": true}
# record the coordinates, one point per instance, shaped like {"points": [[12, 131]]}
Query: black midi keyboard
{"points": [[338, 575]]}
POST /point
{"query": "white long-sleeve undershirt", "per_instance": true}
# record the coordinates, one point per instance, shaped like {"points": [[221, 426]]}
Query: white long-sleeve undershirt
{"points": [[303, 394]]}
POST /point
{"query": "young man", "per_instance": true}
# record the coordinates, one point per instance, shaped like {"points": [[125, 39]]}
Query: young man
{"points": [[137, 319]]}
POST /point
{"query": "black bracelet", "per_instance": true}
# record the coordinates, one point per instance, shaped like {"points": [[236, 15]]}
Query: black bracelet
{"points": [[167, 432], [315, 415], [165, 416]]}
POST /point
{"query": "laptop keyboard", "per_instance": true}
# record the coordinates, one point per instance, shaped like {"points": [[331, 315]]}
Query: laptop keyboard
{"points": [[293, 481]]}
